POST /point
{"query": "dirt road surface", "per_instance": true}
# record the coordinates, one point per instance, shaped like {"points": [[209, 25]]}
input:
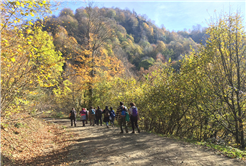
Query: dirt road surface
{"points": [[101, 146]]}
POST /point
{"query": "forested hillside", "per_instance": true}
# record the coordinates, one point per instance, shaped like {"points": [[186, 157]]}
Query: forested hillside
{"points": [[122, 33], [101, 56], [190, 84]]}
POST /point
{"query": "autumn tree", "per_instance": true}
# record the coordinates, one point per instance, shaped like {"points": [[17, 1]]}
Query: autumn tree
{"points": [[28, 56], [97, 33], [224, 60], [34, 63]]}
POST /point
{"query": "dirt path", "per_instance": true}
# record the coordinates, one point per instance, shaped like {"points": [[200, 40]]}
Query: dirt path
{"points": [[98, 145]]}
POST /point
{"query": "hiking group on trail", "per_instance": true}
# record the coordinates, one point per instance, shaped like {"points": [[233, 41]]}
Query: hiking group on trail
{"points": [[123, 115]]}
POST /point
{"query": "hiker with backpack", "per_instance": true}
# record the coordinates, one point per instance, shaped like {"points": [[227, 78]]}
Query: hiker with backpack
{"points": [[72, 116], [121, 116], [106, 113], [92, 116], [112, 115], [134, 116], [83, 115], [99, 115]]}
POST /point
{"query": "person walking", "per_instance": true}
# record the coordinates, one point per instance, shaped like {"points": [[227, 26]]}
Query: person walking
{"points": [[95, 116], [83, 116], [112, 116], [121, 115], [87, 115], [92, 116], [134, 116], [99, 115], [72, 117], [106, 115]]}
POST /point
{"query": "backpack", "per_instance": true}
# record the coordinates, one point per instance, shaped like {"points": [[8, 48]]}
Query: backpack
{"points": [[106, 113], [123, 111], [134, 112], [98, 112], [112, 114], [72, 114], [92, 112]]}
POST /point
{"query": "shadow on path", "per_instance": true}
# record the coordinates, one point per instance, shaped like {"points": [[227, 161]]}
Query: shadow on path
{"points": [[98, 145]]}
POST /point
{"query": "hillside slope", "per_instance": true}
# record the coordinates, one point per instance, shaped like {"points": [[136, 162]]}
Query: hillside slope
{"points": [[133, 38]]}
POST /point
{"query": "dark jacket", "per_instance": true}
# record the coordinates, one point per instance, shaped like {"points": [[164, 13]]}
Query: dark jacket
{"points": [[106, 113], [99, 113], [73, 116]]}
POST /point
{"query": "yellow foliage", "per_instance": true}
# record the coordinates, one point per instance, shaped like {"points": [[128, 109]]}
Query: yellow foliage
{"points": [[146, 26], [31, 61]]}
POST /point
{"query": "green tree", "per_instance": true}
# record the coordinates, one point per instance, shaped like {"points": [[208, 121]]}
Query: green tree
{"points": [[147, 63], [223, 62]]}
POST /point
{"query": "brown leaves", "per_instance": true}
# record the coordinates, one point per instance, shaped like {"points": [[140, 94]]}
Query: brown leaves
{"points": [[34, 143]]}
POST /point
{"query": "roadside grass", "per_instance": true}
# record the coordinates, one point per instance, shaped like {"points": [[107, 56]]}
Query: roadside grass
{"points": [[226, 150], [219, 149]]}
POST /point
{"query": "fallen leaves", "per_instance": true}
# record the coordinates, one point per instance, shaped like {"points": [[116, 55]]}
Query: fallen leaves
{"points": [[34, 142]]}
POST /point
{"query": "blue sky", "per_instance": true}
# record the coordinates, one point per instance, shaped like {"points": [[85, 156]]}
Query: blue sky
{"points": [[174, 15]]}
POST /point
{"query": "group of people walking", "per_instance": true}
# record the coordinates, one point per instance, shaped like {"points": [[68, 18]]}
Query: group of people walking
{"points": [[94, 115]]}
